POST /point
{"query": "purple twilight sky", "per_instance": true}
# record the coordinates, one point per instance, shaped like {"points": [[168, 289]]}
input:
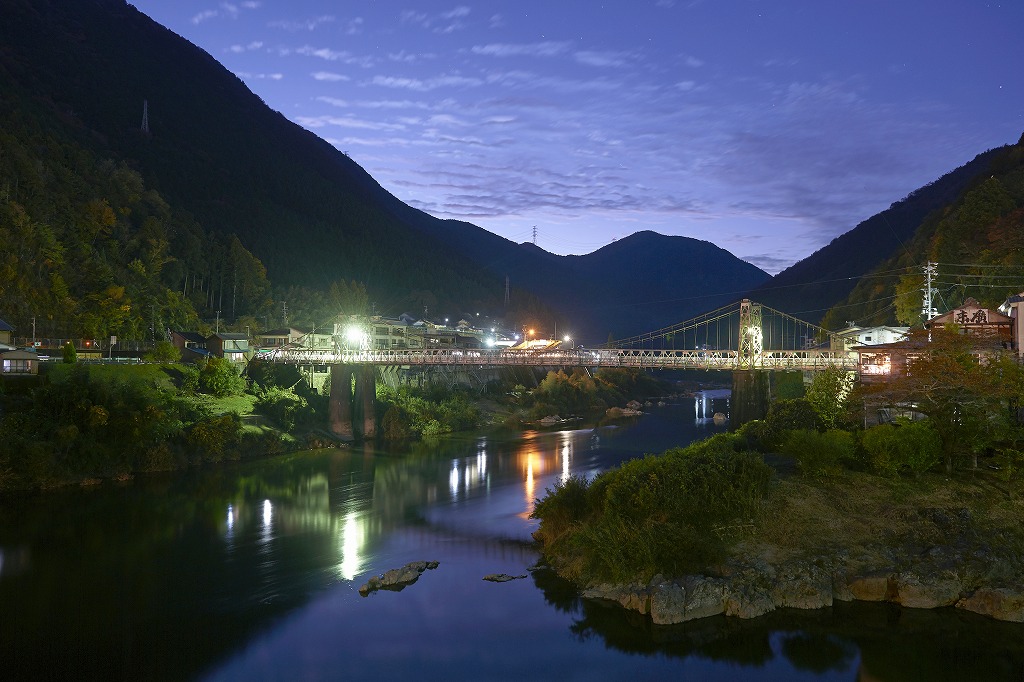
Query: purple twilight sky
{"points": [[768, 127]]}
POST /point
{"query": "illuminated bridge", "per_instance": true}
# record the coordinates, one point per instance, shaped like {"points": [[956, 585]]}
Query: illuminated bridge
{"points": [[747, 338], [736, 337]]}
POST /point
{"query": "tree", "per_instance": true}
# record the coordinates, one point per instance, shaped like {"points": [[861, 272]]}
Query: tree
{"points": [[961, 383], [69, 353], [829, 394]]}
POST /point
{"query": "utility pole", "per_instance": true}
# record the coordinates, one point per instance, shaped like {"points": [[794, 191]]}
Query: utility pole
{"points": [[218, 323], [33, 331], [928, 311], [506, 291], [145, 116]]}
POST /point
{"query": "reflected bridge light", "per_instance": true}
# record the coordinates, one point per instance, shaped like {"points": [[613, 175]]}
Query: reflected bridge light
{"points": [[267, 512]]}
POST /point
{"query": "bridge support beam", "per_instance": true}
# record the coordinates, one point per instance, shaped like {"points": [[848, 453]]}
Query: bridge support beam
{"points": [[751, 393], [339, 406], [366, 400]]}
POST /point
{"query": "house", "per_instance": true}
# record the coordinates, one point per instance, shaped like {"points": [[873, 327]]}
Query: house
{"points": [[17, 362], [277, 338], [229, 346], [6, 335], [191, 344], [990, 329], [978, 322], [854, 336], [1013, 308]]}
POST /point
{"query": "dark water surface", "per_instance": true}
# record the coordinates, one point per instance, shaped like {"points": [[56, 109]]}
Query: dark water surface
{"points": [[251, 572]]}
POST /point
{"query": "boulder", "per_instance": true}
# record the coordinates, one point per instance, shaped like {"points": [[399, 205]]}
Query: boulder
{"points": [[745, 600], [397, 578], [502, 577], [1000, 603], [871, 587], [941, 588], [802, 586]]}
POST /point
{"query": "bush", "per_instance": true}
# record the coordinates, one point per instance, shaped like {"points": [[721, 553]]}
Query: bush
{"points": [[907, 446], [280, 405], [820, 455], [164, 351], [219, 377], [672, 512], [788, 415]]}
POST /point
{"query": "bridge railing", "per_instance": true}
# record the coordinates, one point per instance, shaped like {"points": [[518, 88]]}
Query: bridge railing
{"points": [[579, 357]]}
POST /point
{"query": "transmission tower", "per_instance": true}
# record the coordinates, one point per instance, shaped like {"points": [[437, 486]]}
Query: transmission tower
{"points": [[145, 116], [506, 291], [535, 235], [928, 311]]}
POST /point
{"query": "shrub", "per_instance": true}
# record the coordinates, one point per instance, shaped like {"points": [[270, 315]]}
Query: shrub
{"points": [[164, 351], [820, 455], [669, 512], [788, 415], [904, 447]]}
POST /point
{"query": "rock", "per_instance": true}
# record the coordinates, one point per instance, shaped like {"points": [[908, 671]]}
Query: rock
{"points": [[398, 578], [802, 586], [668, 603], [1000, 603], [502, 577], [744, 600], [929, 591], [633, 596], [704, 597], [871, 587], [719, 418]]}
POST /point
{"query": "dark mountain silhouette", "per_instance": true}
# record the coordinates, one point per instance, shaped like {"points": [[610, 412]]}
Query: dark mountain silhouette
{"points": [[217, 154]]}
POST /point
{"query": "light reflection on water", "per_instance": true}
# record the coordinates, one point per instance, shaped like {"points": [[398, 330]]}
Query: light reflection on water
{"points": [[251, 572]]}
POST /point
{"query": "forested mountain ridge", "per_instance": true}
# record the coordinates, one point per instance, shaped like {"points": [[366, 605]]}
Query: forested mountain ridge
{"points": [[976, 241], [812, 286], [228, 186], [134, 230]]}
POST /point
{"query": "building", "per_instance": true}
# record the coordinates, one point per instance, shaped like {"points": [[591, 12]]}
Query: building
{"points": [[17, 362], [991, 329], [6, 335], [854, 335], [191, 344], [233, 347]]}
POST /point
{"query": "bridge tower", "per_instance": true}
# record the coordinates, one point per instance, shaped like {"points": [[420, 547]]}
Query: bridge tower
{"points": [[751, 335], [349, 413]]}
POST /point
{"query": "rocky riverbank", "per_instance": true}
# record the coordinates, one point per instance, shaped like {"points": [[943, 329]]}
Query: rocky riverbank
{"points": [[927, 543], [752, 591]]}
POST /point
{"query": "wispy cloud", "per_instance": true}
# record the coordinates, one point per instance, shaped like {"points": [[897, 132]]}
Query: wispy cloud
{"points": [[442, 22], [544, 49], [329, 76], [306, 25], [238, 49], [225, 9], [603, 59], [346, 122], [425, 85], [327, 54]]}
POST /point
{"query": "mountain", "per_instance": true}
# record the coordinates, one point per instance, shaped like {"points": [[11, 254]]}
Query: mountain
{"points": [[812, 286], [218, 187], [975, 242]]}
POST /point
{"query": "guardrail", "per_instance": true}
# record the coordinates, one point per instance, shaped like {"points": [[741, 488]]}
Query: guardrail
{"points": [[653, 359]]}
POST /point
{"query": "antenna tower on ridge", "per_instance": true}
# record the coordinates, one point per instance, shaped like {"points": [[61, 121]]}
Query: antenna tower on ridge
{"points": [[145, 116], [506, 291], [535, 235]]}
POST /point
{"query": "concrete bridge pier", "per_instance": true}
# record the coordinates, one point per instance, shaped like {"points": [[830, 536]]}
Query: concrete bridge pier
{"points": [[339, 406], [751, 393], [351, 415], [366, 400]]}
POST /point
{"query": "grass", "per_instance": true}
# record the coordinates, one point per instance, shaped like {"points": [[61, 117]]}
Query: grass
{"points": [[239, 404]]}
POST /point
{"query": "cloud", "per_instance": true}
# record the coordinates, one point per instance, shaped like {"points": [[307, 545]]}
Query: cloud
{"points": [[420, 85], [544, 49], [602, 59], [346, 122], [225, 9], [307, 25], [330, 55], [329, 76], [238, 49], [443, 22], [245, 75]]}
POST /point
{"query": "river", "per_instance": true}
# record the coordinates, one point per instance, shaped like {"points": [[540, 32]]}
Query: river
{"points": [[251, 572]]}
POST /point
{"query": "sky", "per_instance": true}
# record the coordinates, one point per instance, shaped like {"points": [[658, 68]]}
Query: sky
{"points": [[767, 127]]}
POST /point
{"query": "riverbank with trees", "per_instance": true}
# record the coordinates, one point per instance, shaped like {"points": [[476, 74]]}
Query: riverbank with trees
{"points": [[81, 423], [807, 507]]}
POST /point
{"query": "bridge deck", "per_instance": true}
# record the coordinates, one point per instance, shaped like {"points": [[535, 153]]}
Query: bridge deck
{"points": [[626, 357]]}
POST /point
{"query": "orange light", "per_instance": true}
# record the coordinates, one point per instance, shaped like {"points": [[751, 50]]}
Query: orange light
{"points": [[531, 332]]}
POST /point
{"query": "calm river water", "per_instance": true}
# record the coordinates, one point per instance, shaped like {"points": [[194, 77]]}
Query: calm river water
{"points": [[251, 572]]}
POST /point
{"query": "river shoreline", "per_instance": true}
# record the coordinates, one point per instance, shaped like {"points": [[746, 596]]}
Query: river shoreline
{"points": [[926, 544]]}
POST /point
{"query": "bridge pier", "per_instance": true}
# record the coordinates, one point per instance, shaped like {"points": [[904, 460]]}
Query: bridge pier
{"points": [[366, 399], [345, 410], [339, 405], [751, 393]]}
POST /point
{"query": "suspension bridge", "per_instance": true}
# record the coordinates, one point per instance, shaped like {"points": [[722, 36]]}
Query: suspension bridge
{"points": [[741, 336]]}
